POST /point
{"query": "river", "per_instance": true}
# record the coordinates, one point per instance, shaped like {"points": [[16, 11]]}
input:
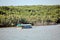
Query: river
{"points": [[51, 32]]}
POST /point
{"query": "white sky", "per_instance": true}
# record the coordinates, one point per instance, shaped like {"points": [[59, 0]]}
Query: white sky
{"points": [[29, 2]]}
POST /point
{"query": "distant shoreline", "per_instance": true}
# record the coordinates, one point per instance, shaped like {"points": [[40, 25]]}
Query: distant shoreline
{"points": [[31, 5], [32, 26]]}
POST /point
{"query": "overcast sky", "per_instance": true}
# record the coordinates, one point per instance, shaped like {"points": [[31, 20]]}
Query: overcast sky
{"points": [[29, 2]]}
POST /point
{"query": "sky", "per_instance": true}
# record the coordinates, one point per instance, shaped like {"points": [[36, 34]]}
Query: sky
{"points": [[28, 2]]}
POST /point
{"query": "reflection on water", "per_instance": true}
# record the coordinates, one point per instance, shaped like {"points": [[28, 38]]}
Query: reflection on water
{"points": [[36, 33]]}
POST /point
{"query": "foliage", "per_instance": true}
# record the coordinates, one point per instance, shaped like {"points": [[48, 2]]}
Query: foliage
{"points": [[12, 15]]}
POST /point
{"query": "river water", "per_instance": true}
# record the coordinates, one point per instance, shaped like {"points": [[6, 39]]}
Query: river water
{"points": [[36, 33]]}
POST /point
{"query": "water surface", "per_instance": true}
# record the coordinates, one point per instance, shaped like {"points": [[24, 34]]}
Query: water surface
{"points": [[36, 33]]}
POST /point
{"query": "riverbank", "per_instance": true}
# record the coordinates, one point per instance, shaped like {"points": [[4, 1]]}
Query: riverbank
{"points": [[32, 26]]}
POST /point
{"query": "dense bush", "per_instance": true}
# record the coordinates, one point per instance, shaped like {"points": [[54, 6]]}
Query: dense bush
{"points": [[12, 15]]}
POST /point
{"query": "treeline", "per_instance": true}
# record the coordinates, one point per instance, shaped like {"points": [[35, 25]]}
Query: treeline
{"points": [[35, 15]]}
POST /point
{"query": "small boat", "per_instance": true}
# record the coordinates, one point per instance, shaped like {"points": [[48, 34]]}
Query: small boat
{"points": [[24, 26]]}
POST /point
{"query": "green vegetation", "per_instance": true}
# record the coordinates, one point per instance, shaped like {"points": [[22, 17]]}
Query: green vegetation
{"points": [[12, 15]]}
